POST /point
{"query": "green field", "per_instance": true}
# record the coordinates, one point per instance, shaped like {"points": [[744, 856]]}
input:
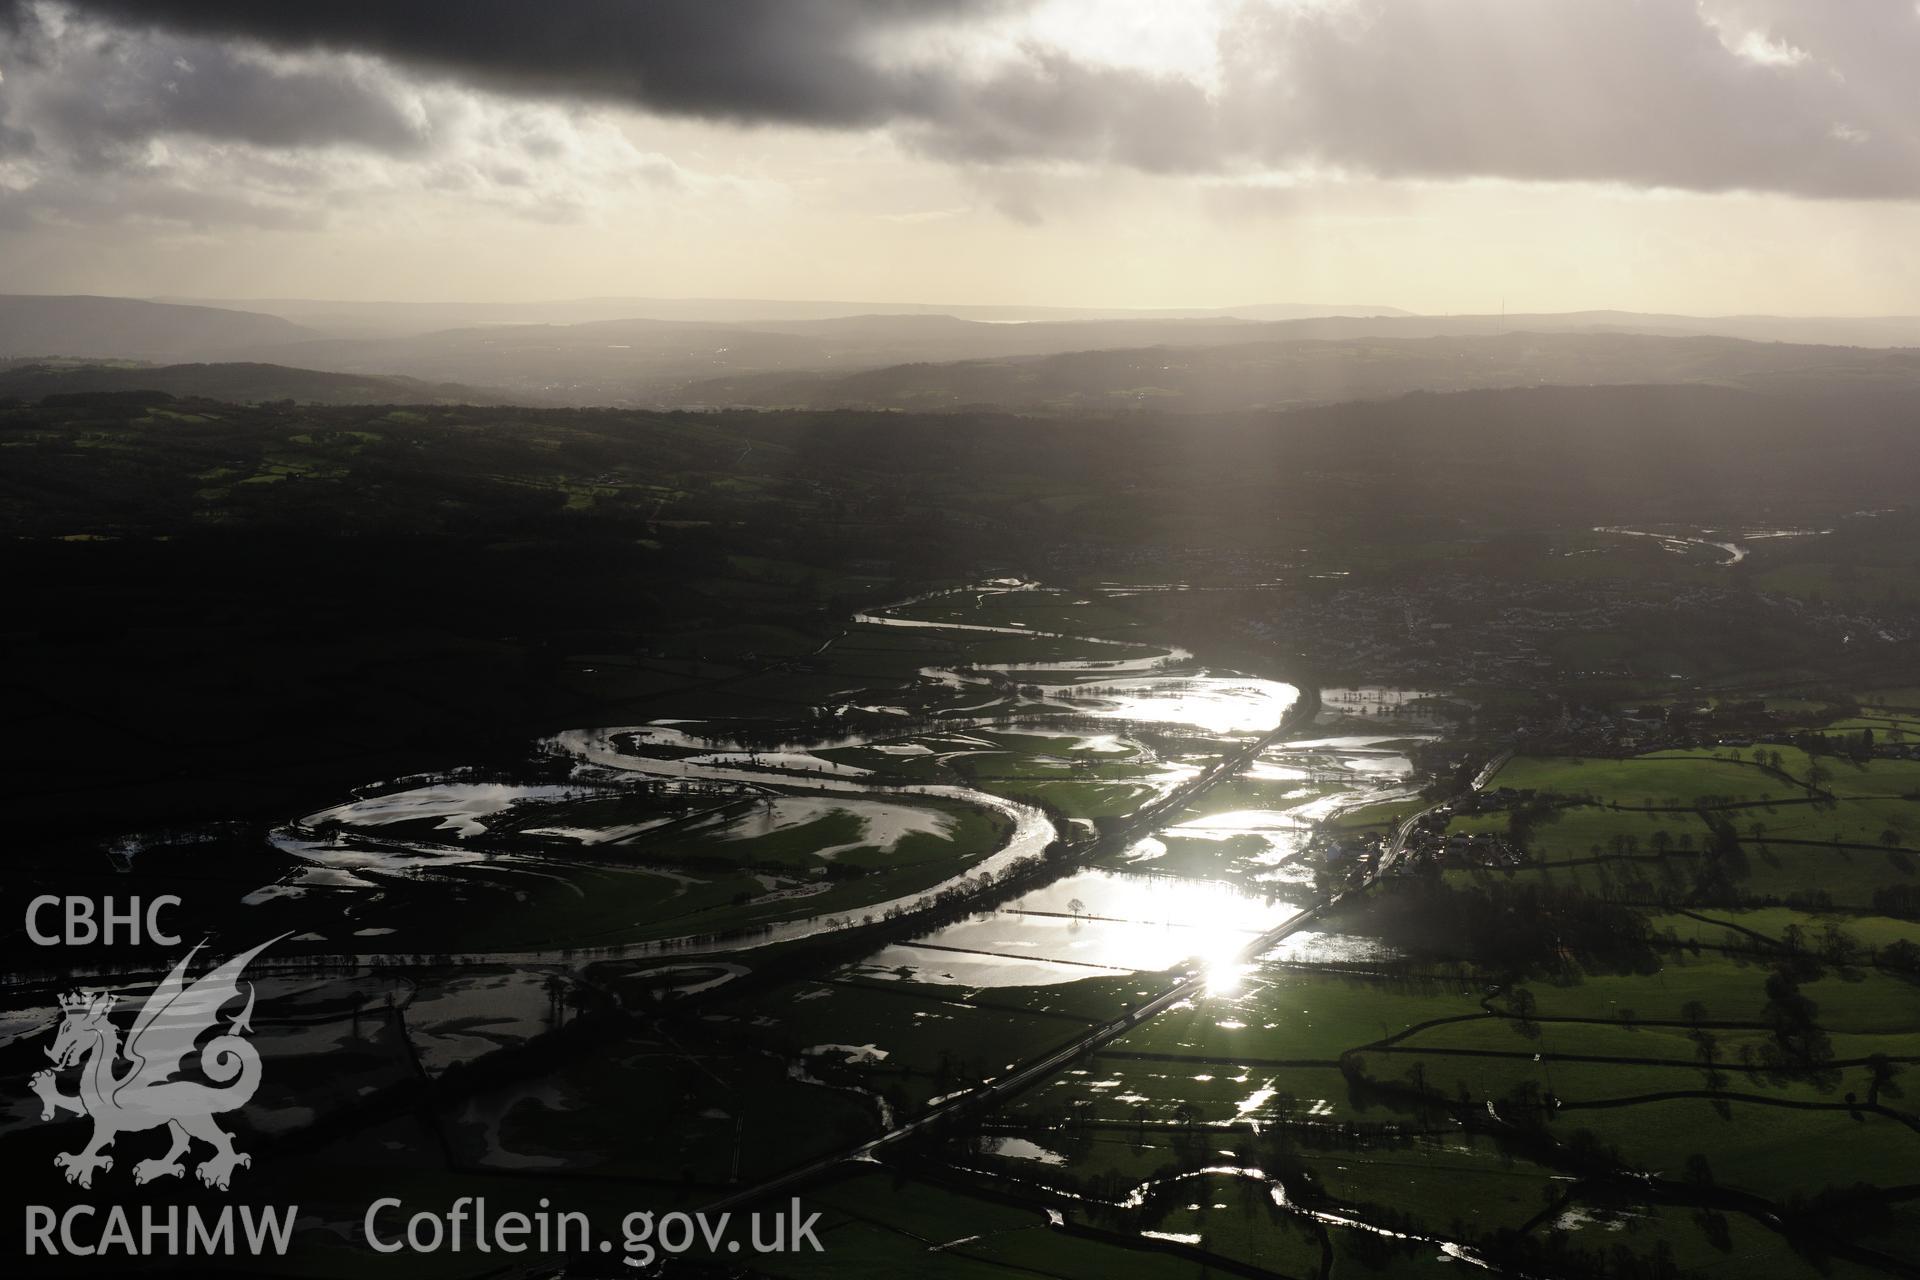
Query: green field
{"points": [[1658, 781]]}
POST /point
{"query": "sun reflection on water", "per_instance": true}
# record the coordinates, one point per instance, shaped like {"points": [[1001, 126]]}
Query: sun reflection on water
{"points": [[1223, 975], [1218, 705]]}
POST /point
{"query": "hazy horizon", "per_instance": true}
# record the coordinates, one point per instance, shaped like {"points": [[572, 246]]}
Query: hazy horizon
{"points": [[926, 306]]}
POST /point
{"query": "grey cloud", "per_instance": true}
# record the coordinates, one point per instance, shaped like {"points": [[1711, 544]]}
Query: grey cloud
{"points": [[15, 142], [114, 199], [212, 94], [95, 92], [1054, 108], [1646, 94]]}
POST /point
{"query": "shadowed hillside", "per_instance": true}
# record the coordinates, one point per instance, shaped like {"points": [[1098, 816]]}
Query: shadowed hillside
{"points": [[127, 328], [1283, 374], [239, 383]]}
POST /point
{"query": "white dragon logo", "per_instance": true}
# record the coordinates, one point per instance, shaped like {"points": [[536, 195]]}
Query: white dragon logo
{"points": [[146, 1095]]}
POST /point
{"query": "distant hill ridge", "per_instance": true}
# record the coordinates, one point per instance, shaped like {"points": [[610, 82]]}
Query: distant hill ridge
{"points": [[1052, 361], [127, 328], [238, 382], [1279, 374], [375, 318]]}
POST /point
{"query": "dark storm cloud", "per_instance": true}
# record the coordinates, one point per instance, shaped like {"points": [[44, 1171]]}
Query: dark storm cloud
{"points": [[802, 61]]}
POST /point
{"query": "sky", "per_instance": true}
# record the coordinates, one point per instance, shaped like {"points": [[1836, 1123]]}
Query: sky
{"points": [[1708, 157]]}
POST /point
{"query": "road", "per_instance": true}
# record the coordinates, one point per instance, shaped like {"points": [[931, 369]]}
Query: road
{"points": [[1402, 834]]}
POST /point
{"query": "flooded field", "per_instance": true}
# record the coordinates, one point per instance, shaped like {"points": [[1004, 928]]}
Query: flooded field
{"points": [[723, 833]]}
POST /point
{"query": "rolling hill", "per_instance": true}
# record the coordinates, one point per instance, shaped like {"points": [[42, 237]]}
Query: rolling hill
{"points": [[1289, 374], [127, 328], [368, 319], [240, 383]]}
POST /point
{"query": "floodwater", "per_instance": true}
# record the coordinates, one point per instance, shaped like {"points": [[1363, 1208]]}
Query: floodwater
{"points": [[1220, 705], [973, 969], [1022, 1149], [376, 834], [461, 808], [882, 826], [1281, 830], [1099, 920], [1732, 551], [1112, 919]]}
